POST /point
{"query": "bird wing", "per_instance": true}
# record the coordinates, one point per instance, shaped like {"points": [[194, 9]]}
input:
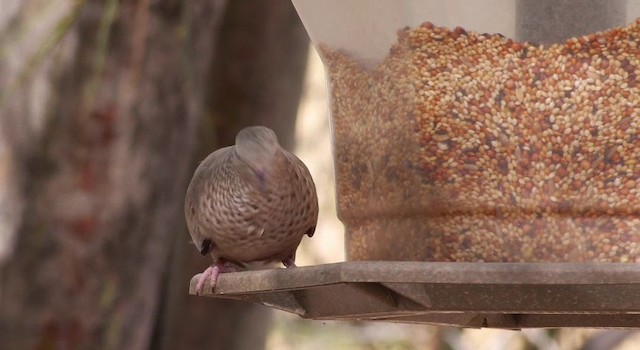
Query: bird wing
{"points": [[308, 186]]}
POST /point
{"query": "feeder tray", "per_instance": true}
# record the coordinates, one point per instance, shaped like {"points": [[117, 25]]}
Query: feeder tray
{"points": [[492, 295]]}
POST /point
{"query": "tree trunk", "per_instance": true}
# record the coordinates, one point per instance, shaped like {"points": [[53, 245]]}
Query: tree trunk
{"points": [[258, 76], [100, 103]]}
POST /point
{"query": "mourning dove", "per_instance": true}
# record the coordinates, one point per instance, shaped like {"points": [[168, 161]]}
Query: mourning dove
{"points": [[251, 202]]}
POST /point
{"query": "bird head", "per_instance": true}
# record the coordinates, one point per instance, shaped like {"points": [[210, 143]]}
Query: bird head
{"points": [[257, 146]]}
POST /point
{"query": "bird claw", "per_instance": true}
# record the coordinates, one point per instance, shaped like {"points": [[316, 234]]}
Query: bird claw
{"points": [[211, 273]]}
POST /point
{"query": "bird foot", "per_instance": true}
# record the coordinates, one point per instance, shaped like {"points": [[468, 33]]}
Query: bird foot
{"points": [[211, 273], [288, 262]]}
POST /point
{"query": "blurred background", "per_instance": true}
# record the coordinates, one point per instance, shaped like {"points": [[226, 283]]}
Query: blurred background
{"points": [[105, 109]]}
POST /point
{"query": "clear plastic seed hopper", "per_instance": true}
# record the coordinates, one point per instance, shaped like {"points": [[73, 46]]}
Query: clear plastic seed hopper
{"points": [[487, 158]]}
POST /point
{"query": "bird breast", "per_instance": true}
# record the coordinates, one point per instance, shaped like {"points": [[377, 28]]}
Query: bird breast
{"points": [[248, 222]]}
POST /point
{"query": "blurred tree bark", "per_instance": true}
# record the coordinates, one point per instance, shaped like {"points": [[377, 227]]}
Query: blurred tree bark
{"points": [[102, 103], [258, 77]]}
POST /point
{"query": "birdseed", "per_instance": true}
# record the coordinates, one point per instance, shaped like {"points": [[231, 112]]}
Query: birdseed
{"points": [[462, 146]]}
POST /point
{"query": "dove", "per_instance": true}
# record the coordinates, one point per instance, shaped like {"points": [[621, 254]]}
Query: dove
{"points": [[249, 204]]}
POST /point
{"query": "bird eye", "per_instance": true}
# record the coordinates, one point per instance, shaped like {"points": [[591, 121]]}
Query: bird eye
{"points": [[206, 246]]}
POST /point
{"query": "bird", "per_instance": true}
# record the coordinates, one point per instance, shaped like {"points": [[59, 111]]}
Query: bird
{"points": [[250, 203]]}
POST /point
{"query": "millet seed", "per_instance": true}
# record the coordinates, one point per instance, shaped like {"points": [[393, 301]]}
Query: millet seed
{"points": [[467, 147]]}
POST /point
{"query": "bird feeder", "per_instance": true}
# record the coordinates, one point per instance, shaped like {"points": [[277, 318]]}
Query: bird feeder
{"points": [[487, 158]]}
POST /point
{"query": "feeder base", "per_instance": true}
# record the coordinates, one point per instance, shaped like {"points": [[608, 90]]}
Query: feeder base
{"points": [[477, 295]]}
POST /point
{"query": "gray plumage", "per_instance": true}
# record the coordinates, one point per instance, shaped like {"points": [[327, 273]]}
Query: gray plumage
{"points": [[251, 202]]}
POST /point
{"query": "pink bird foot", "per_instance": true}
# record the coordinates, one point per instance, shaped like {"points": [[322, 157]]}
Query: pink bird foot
{"points": [[211, 273]]}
